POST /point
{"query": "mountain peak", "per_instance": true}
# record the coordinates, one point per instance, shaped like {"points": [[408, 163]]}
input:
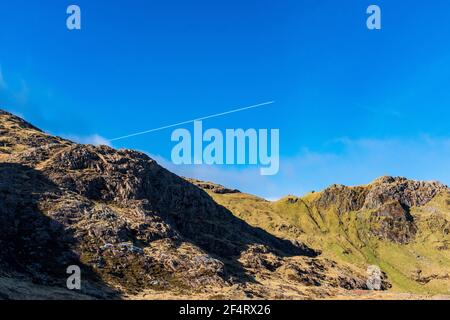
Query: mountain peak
{"points": [[393, 180], [24, 143], [11, 119], [409, 193], [134, 227], [126, 220]]}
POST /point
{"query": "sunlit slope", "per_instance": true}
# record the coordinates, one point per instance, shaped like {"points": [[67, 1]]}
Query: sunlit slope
{"points": [[400, 225]]}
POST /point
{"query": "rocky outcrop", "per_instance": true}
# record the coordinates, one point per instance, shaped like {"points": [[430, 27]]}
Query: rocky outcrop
{"points": [[409, 193], [343, 198], [215, 188], [129, 223], [389, 200], [393, 222], [133, 226]]}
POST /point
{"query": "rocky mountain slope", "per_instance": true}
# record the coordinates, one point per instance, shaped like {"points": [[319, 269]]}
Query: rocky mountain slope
{"points": [[400, 225], [137, 230]]}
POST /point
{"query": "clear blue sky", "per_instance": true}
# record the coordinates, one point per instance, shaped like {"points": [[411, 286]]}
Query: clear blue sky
{"points": [[351, 104]]}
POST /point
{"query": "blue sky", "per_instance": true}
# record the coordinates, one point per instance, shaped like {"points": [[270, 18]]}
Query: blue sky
{"points": [[351, 104]]}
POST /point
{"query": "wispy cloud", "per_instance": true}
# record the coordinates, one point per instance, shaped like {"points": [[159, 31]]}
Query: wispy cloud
{"points": [[94, 139], [14, 92], [22, 95], [358, 161], [3, 84], [382, 111], [245, 179]]}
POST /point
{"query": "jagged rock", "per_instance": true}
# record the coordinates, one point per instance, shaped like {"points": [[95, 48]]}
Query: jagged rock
{"points": [[393, 222], [343, 198], [409, 193], [133, 226], [389, 200], [385, 189], [127, 221], [216, 188]]}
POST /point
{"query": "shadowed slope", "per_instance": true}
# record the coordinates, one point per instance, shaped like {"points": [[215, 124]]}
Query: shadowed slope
{"points": [[138, 226]]}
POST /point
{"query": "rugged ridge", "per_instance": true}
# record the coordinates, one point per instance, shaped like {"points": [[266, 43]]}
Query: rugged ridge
{"points": [[389, 199], [408, 193], [399, 225], [136, 228]]}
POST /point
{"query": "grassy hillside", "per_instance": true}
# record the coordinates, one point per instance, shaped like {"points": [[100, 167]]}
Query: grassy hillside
{"points": [[420, 264]]}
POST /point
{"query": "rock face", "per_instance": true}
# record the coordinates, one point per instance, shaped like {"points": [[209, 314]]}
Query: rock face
{"points": [[130, 224], [392, 221], [135, 228], [408, 193], [213, 187], [389, 199]]}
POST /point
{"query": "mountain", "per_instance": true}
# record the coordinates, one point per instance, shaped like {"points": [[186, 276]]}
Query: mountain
{"points": [[400, 225], [138, 231]]}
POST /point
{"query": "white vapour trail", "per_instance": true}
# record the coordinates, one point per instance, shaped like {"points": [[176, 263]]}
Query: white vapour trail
{"points": [[193, 120]]}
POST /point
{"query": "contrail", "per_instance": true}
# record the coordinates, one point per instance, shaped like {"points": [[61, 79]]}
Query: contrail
{"points": [[190, 121]]}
